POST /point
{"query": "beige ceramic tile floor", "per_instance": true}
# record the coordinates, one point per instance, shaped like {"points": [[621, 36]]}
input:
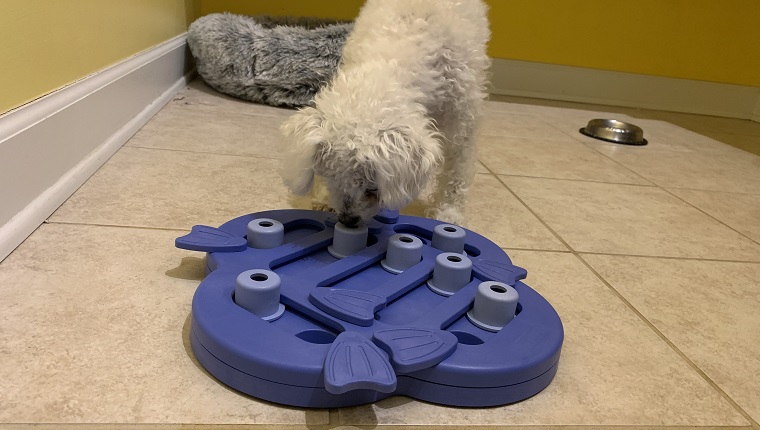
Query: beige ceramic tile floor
{"points": [[651, 256]]}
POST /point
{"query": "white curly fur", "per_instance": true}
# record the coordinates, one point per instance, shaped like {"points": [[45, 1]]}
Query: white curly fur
{"points": [[400, 112]]}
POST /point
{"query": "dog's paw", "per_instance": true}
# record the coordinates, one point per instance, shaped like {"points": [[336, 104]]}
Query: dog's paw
{"points": [[321, 206]]}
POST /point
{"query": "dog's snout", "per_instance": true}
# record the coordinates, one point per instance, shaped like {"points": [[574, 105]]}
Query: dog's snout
{"points": [[349, 220]]}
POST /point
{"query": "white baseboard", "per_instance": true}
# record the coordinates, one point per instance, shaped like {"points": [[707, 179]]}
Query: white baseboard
{"points": [[50, 147], [547, 81]]}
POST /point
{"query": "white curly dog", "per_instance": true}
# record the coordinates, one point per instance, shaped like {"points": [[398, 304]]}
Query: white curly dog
{"points": [[400, 113]]}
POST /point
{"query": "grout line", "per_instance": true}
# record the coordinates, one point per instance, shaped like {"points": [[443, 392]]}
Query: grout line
{"points": [[531, 211], [90, 224], [507, 248], [709, 215], [512, 136], [612, 254], [681, 199], [596, 149], [641, 316], [672, 345], [650, 185], [202, 152], [164, 426], [208, 108], [665, 257], [192, 426], [712, 191], [333, 418]]}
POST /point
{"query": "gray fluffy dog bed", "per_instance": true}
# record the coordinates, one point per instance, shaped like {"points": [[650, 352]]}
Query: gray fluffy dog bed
{"points": [[276, 61]]}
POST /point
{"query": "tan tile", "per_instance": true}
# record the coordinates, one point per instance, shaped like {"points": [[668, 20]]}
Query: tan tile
{"points": [[562, 159], [744, 142], [740, 211], [578, 115], [740, 134], [627, 219], [730, 170], [495, 213], [199, 95], [201, 130], [570, 121], [496, 107], [716, 124], [94, 329], [566, 116], [707, 309], [570, 116], [614, 369], [676, 118], [517, 125], [567, 106], [170, 189]]}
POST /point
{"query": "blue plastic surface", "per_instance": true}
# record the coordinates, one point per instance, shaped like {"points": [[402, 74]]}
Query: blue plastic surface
{"points": [[354, 333]]}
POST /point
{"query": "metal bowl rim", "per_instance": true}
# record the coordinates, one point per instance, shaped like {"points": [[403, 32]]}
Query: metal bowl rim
{"points": [[591, 133]]}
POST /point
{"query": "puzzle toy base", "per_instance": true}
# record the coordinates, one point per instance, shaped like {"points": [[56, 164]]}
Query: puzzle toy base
{"points": [[280, 318]]}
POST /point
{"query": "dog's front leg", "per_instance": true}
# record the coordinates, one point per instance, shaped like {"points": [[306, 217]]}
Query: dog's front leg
{"points": [[320, 196], [454, 183]]}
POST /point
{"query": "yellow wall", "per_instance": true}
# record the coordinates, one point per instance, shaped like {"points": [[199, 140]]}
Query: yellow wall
{"points": [[337, 9], [709, 40], [47, 44]]}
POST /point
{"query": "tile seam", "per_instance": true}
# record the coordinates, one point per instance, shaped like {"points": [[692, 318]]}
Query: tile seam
{"points": [[711, 216], [670, 343], [91, 224], [188, 151], [640, 315]]}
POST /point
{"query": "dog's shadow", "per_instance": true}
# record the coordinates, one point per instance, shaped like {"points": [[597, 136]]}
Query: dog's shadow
{"points": [[190, 268]]}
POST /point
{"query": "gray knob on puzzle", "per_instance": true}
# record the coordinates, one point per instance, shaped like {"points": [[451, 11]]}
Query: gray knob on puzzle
{"points": [[494, 307], [265, 233], [451, 273], [404, 251], [448, 238], [348, 240], [258, 291]]}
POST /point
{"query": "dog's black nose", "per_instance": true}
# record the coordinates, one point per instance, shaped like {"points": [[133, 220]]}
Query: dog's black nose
{"points": [[349, 220]]}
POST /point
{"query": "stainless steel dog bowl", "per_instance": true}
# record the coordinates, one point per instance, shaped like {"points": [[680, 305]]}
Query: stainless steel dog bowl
{"points": [[614, 131]]}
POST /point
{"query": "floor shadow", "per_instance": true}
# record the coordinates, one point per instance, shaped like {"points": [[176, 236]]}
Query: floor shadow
{"points": [[198, 84], [393, 402], [312, 417], [190, 268]]}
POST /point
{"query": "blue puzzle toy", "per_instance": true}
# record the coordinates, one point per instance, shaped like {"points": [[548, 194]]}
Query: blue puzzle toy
{"points": [[301, 310]]}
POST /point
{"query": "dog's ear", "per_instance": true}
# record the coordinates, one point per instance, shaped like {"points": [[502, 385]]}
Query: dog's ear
{"points": [[406, 160], [303, 135]]}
